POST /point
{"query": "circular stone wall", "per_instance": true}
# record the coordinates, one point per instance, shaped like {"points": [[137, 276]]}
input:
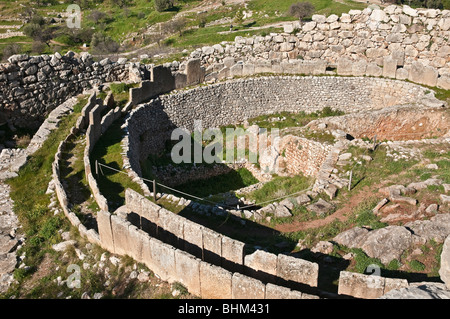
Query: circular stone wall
{"points": [[151, 124]]}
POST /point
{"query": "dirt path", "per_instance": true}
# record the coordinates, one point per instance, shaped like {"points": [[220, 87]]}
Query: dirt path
{"points": [[342, 214]]}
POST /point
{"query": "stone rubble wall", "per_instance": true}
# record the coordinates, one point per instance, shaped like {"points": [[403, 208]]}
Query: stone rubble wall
{"points": [[149, 125], [303, 155], [396, 42], [32, 86]]}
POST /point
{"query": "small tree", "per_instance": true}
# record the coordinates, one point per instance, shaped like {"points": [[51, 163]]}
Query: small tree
{"points": [[301, 10], [177, 25], [239, 17], [161, 5]]}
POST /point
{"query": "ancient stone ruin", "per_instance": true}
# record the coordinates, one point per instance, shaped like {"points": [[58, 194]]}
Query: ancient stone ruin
{"points": [[356, 63]]}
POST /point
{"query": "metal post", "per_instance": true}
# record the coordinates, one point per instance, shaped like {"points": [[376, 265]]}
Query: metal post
{"points": [[350, 180], [154, 190], [374, 142], [96, 167]]}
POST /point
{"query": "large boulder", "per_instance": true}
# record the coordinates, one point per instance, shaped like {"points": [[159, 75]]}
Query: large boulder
{"points": [[387, 243], [424, 290], [437, 228], [352, 238], [444, 271]]}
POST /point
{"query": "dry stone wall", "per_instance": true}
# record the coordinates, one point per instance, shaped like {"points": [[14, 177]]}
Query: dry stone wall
{"points": [[396, 42], [32, 86], [150, 125]]}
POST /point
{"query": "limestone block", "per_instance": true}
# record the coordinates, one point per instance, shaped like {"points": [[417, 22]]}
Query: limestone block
{"points": [[443, 82], [215, 283], [297, 270], [389, 67], [193, 238], [188, 271], [137, 238], [401, 74], [194, 72], [344, 66], [416, 73], [224, 73], [170, 227], [360, 285], [232, 254], [236, 70], [244, 287], [212, 246], [163, 259], [248, 69], [105, 231], [120, 235], [444, 24], [430, 76], [444, 271], [308, 26], [359, 68], [279, 292], [373, 69], [261, 265], [379, 16], [410, 11], [228, 61]]}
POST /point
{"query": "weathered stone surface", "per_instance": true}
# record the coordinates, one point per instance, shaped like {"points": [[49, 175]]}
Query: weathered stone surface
{"points": [[7, 244], [297, 270], [7, 263], [437, 228], [321, 207], [444, 270], [244, 287], [425, 290], [282, 211], [352, 238], [387, 243]]}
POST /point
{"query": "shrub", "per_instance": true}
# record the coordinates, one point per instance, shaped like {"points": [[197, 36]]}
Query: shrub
{"points": [[301, 10], [162, 5], [11, 49], [101, 43]]}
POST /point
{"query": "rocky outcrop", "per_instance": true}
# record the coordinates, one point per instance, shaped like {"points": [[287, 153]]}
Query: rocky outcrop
{"points": [[425, 290], [390, 242], [444, 271]]}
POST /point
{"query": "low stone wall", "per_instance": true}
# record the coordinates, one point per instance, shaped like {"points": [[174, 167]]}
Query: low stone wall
{"points": [[96, 127], [303, 156], [367, 286], [61, 194], [171, 264], [396, 42], [32, 86], [211, 246]]}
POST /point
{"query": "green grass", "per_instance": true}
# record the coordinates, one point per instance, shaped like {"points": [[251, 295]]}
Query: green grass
{"points": [[288, 119], [364, 217], [232, 180], [107, 151], [280, 186], [30, 201], [325, 7]]}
